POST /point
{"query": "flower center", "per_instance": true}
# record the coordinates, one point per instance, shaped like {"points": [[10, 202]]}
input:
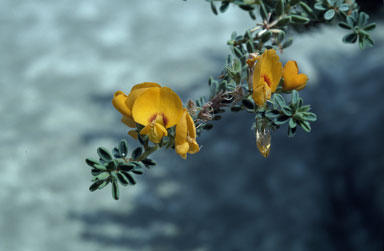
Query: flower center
{"points": [[158, 118], [266, 79]]}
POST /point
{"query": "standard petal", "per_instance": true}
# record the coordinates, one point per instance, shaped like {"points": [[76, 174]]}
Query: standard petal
{"points": [[146, 106], [137, 91], [272, 67], [118, 102], [170, 106]]}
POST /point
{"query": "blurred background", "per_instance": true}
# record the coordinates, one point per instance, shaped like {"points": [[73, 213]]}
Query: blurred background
{"points": [[61, 62]]}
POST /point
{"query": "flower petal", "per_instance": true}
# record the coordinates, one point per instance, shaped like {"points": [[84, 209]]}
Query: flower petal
{"points": [[118, 102], [191, 126], [272, 67], [171, 106], [292, 79], [138, 90], [181, 130]]}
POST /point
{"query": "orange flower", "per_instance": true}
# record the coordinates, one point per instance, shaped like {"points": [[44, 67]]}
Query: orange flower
{"points": [[292, 79], [266, 76], [185, 140]]}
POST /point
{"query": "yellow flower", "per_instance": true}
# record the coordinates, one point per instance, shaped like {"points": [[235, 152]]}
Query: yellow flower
{"points": [[266, 76], [156, 109], [292, 79], [124, 103], [185, 141]]}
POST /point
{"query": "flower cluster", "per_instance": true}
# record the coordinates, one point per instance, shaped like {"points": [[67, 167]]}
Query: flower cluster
{"points": [[268, 73], [158, 109]]}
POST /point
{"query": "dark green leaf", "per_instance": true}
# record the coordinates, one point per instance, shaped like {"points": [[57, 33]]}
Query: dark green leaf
{"points": [[350, 38], [345, 25], [252, 15], [331, 2], [305, 108], [95, 172], [369, 27], [148, 162], [250, 47], [294, 98], [263, 11], [266, 36], [100, 167], [291, 131], [122, 179], [127, 166], [299, 19], [95, 186], [115, 190], [237, 52], [116, 153], [91, 162], [272, 114], [305, 125], [369, 41], [104, 154], [287, 43], [129, 177], [279, 7], [248, 104], [224, 6], [281, 120], [279, 99], [123, 148], [136, 153], [283, 21], [308, 10], [101, 176], [213, 7], [246, 7]]}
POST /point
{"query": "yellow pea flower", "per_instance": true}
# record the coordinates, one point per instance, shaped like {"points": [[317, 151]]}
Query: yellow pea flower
{"points": [[124, 103], [156, 109], [266, 76], [292, 79], [185, 140]]}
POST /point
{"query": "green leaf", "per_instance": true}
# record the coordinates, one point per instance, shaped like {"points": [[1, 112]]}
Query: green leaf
{"points": [[369, 41], [213, 7], [281, 120], [266, 36], [294, 98], [307, 9], [350, 38], [250, 47], [305, 125], [363, 19], [101, 176], [246, 7], [127, 167], [236, 65], [263, 11], [331, 2], [237, 52], [123, 147], [344, 7], [299, 19], [136, 153], [329, 14], [235, 108], [129, 177], [116, 153], [286, 110], [305, 108], [351, 21], [292, 123], [95, 186], [291, 131], [100, 167], [279, 99], [91, 162], [272, 114], [224, 6], [122, 179], [103, 184], [148, 162], [279, 7], [287, 43], [369, 27], [283, 21], [115, 190], [345, 25], [252, 15], [248, 104], [319, 6], [309, 116], [104, 154]]}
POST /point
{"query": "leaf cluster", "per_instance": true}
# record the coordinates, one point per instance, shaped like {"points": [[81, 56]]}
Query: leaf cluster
{"points": [[117, 168]]}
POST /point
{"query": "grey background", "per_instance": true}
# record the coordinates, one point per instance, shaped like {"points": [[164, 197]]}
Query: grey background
{"points": [[61, 62]]}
